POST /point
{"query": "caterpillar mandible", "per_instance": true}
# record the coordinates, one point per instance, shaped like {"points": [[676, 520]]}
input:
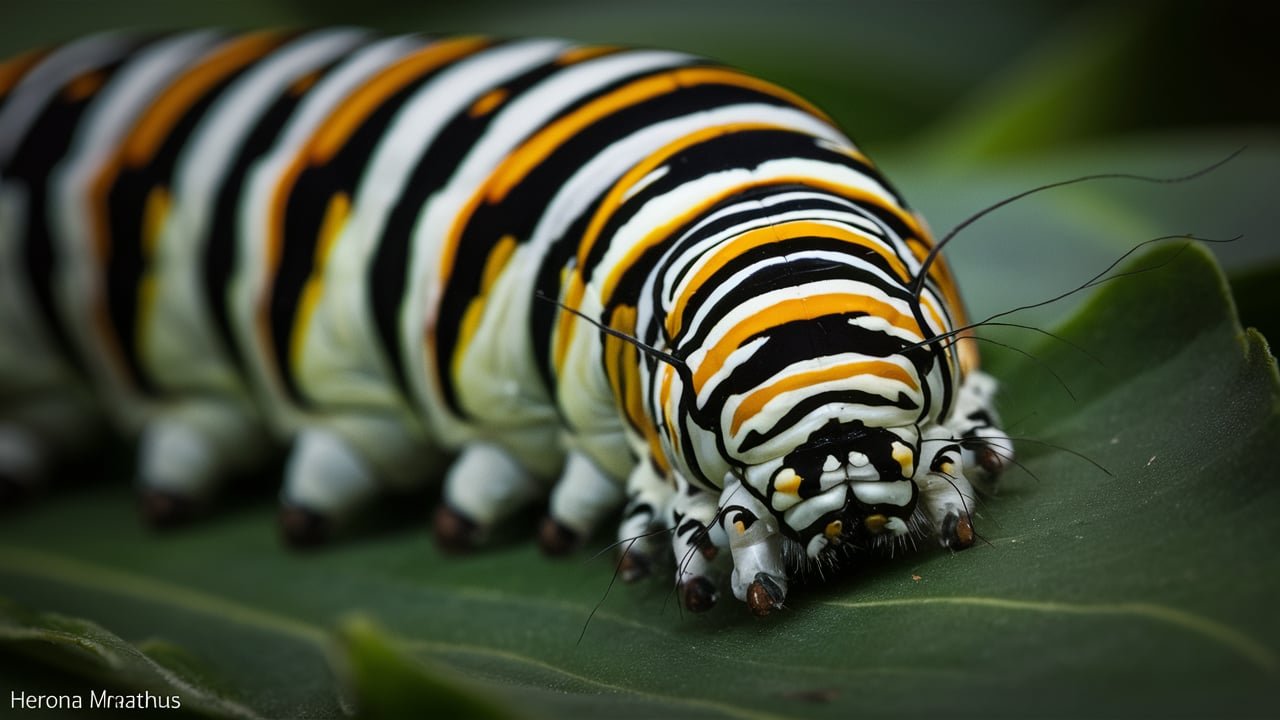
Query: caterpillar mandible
{"points": [[342, 243]]}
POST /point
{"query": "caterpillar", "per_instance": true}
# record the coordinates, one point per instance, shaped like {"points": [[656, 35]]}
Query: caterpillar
{"points": [[529, 269]]}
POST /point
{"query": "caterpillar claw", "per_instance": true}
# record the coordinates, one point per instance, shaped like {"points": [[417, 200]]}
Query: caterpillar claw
{"points": [[555, 539], [990, 461], [164, 510], [764, 595], [454, 532], [698, 594], [302, 528], [957, 531]]}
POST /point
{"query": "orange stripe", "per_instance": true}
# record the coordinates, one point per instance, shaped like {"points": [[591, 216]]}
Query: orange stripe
{"points": [[12, 70], [532, 153], [573, 295], [756, 401], [752, 239], [337, 128], [623, 367], [801, 308], [357, 107], [158, 121]]}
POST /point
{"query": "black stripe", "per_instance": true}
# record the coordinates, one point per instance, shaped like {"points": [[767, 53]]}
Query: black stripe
{"points": [[220, 246], [126, 204], [388, 276], [519, 212], [45, 145], [678, 103], [304, 212]]}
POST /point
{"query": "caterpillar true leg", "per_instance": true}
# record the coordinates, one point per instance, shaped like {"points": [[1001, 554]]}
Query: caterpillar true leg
{"points": [[648, 499], [945, 493], [986, 450], [582, 497], [759, 576], [693, 513]]}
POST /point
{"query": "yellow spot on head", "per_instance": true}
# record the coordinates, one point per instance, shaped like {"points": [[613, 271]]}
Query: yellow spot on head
{"points": [[834, 528], [742, 528], [905, 457], [875, 523], [787, 482]]}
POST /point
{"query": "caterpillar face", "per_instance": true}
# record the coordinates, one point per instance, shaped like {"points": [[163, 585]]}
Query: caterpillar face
{"points": [[847, 483]]}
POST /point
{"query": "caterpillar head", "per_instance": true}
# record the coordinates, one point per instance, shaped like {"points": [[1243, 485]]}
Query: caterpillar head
{"points": [[846, 483]]}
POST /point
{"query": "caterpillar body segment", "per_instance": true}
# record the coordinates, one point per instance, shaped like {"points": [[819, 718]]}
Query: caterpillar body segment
{"points": [[376, 254]]}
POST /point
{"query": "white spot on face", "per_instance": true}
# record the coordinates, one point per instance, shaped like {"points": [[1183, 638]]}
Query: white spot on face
{"points": [[857, 459], [883, 493], [815, 546], [896, 526], [831, 465]]}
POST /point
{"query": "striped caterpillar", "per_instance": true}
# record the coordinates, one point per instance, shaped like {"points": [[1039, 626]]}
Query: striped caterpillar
{"points": [[603, 276]]}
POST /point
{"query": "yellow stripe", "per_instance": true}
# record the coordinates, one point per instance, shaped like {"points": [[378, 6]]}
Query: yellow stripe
{"points": [[493, 267], [497, 262], [335, 219], [154, 215]]}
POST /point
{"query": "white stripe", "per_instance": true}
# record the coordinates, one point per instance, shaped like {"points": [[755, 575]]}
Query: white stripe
{"points": [[456, 89], [47, 79], [207, 157], [178, 341], [103, 127]]}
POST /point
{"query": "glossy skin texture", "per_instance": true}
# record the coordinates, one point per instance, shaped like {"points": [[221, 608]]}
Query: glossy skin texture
{"points": [[334, 243]]}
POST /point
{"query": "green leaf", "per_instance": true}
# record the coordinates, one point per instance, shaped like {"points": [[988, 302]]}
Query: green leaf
{"points": [[1258, 301], [391, 684], [1147, 590], [166, 676]]}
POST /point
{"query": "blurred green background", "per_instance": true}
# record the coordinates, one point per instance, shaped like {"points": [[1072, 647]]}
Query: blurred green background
{"points": [[961, 103]]}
